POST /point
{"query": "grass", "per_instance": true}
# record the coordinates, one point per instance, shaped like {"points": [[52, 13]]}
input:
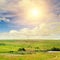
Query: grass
{"points": [[6, 46], [38, 56]]}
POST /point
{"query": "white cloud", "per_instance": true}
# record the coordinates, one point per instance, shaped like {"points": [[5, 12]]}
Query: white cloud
{"points": [[2, 2], [4, 19], [42, 31]]}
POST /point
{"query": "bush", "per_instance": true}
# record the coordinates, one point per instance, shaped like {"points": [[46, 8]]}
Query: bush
{"points": [[2, 44], [11, 51], [21, 49], [36, 47], [55, 49]]}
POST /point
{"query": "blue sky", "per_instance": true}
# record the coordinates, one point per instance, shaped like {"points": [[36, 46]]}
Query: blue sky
{"points": [[15, 18]]}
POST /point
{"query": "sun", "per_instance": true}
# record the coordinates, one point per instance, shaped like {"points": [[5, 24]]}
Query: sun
{"points": [[35, 12]]}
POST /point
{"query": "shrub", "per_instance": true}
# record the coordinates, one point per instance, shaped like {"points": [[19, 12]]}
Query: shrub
{"points": [[2, 44], [11, 51], [55, 49], [36, 47], [21, 49]]}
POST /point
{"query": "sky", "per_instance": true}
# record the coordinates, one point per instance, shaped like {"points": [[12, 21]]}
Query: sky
{"points": [[29, 19]]}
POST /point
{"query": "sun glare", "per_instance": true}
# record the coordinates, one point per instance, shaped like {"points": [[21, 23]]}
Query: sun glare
{"points": [[35, 12]]}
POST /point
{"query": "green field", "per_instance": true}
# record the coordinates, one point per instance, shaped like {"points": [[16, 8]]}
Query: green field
{"points": [[34, 50]]}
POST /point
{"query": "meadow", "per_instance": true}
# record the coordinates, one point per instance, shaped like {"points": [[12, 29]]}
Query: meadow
{"points": [[29, 50]]}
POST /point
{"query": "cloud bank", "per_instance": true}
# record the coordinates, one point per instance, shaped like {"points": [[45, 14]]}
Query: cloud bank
{"points": [[41, 32]]}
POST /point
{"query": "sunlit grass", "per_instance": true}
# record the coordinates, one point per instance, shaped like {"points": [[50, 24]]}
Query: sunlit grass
{"points": [[6, 46]]}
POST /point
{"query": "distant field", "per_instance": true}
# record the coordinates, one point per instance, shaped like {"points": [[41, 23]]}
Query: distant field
{"points": [[9, 50]]}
